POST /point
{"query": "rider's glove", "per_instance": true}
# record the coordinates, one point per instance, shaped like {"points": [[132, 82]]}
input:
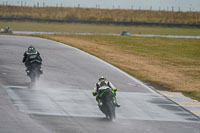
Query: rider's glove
{"points": [[94, 93]]}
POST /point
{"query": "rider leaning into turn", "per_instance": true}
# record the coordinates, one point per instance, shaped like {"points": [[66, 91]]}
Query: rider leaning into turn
{"points": [[30, 55], [103, 84]]}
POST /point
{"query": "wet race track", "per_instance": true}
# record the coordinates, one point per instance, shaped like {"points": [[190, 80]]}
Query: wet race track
{"points": [[62, 102]]}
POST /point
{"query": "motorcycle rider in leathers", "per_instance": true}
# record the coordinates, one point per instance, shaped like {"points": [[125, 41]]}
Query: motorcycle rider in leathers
{"points": [[29, 55], [101, 85]]}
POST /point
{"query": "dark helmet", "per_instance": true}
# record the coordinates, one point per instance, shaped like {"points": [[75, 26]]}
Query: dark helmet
{"points": [[31, 49], [102, 78]]}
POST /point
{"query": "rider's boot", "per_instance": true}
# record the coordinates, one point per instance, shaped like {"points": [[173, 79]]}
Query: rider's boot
{"points": [[100, 103], [41, 70], [27, 71], [115, 102]]}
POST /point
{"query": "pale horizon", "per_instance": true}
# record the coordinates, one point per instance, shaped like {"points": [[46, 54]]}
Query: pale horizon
{"points": [[167, 5]]}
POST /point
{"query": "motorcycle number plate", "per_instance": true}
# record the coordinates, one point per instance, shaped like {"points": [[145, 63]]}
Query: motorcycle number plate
{"points": [[103, 88], [33, 56]]}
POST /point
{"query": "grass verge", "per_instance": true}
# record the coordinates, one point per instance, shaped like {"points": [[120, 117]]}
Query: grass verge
{"points": [[93, 28], [172, 64], [192, 94]]}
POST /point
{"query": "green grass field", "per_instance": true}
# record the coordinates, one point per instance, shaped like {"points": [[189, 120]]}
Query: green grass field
{"points": [[72, 27]]}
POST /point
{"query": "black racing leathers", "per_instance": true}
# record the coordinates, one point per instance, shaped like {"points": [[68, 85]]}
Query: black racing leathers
{"points": [[28, 57]]}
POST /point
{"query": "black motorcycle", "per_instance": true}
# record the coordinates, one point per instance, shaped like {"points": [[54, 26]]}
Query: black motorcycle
{"points": [[107, 105], [34, 71]]}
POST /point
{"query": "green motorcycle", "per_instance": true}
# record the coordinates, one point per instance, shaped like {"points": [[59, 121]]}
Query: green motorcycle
{"points": [[106, 103]]}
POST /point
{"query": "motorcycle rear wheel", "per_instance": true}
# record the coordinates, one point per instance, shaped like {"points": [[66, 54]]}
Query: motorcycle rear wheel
{"points": [[111, 111]]}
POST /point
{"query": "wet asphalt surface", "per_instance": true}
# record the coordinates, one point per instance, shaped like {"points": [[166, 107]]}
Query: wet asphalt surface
{"points": [[62, 102]]}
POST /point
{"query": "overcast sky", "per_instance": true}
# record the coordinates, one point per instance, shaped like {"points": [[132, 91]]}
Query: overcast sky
{"points": [[185, 5]]}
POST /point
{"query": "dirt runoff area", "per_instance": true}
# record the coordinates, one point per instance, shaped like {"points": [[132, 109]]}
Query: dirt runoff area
{"points": [[152, 72]]}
